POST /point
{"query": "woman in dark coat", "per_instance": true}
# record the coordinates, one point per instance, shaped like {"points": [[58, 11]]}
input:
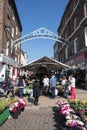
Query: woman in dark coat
{"points": [[36, 91], [21, 85], [10, 86]]}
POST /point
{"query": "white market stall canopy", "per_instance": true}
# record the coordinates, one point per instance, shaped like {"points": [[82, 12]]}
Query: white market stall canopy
{"points": [[49, 63]]}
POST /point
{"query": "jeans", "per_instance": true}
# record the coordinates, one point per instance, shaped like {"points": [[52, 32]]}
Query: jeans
{"points": [[20, 92], [10, 91], [53, 92], [65, 92]]}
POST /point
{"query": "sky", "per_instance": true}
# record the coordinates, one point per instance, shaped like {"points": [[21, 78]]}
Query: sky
{"points": [[35, 14]]}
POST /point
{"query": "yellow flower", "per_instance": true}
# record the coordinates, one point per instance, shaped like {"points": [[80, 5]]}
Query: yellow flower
{"points": [[84, 101]]}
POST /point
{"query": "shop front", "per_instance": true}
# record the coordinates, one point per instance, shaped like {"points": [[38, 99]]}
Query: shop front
{"points": [[8, 67], [79, 65]]}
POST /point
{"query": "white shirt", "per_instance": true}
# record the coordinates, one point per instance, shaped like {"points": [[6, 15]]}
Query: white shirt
{"points": [[63, 82], [72, 80], [46, 81]]}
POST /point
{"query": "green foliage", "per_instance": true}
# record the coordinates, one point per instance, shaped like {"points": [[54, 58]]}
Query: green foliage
{"points": [[5, 102], [81, 108]]}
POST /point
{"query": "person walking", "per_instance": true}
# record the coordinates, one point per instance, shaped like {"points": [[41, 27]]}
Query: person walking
{"points": [[64, 84], [72, 81], [36, 91], [53, 84], [10, 86], [46, 84], [21, 85]]}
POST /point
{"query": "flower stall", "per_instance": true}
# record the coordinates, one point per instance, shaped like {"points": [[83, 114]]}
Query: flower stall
{"points": [[17, 107], [61, 90], [80, 108], [8, 106], [69, 117], [4, 108], [28, 90]]}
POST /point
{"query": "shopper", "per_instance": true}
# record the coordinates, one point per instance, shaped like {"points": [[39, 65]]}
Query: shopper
{"points": [[53, 84], [36, 91], [21, 85], [10, 86], [46, 84], [64, 84], [73, 81]]}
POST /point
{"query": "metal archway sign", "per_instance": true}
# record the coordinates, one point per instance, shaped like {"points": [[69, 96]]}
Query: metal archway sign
{"points": [[39, 33]]}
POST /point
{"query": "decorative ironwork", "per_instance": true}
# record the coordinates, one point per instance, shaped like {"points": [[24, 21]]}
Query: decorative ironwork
{"points": [[39, 33]]}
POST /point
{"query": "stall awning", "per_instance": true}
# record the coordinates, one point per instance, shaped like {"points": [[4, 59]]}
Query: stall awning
{"points": [[50, 63]]}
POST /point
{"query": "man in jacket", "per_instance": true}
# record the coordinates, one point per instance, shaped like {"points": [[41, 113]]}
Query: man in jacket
{"points": [[53, 83]]}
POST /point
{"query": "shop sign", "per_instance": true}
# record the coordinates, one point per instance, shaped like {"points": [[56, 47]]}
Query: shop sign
{"points": [[76, 60]]}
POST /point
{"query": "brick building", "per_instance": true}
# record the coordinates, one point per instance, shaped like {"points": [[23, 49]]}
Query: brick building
{"points": [[72, 32], [10, 30]]}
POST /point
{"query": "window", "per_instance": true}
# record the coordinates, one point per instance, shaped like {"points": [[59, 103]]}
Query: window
{"points": [[66, 52], [12, 32], [85, 33], [9, 4], [18, 58], [12, 45], [75, 3], [71, 48], [85, 8], [16, 30], [7, 48], [8, 16], [75, 45], [56, 47], [75, 23], [13, 17]]}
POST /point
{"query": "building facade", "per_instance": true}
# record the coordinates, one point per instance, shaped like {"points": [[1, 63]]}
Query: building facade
{"points": [[10, 30], [72, 31], [24, 58]]}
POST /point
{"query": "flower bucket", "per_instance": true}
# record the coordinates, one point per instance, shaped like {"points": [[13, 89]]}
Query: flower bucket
{"points": [[15, 114]]}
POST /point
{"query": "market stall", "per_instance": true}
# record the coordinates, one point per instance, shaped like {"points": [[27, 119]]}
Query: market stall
{"points": [[10, 106], [45, 62], [73, 114]]}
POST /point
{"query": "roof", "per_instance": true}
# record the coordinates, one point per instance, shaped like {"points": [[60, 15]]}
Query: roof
{"points": [[45, 61]]}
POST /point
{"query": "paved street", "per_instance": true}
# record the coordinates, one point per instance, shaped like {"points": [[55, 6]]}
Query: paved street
{"points": [[41, 117]]}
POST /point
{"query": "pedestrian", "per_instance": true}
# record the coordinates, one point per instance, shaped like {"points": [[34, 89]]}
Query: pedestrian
{"points": [[73, 85], [36, 91], [2, 80], [64, 84], [21, 85], [53, 84], [41, 85], [10, 86], [46, 84]]}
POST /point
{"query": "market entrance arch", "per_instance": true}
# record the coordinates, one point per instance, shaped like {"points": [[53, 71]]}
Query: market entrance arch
{"points": [[39, 33], [43, 62]]}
